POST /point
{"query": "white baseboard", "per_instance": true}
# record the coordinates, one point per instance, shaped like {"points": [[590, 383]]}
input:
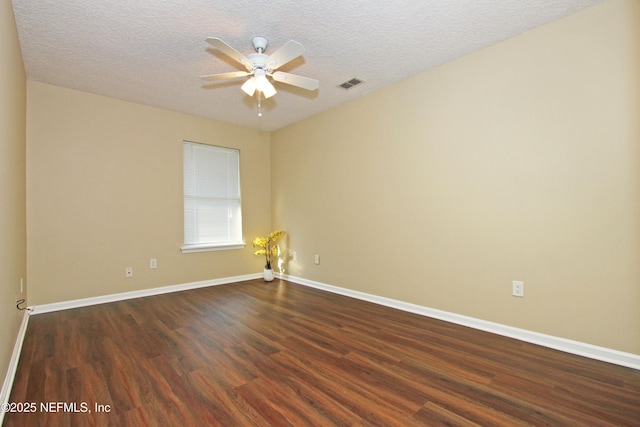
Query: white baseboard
{"points": [[568, 346], [13, 363], [84, 302]]}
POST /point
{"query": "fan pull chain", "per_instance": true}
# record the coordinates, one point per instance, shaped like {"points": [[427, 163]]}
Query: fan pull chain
{"points": [[259, 104]]}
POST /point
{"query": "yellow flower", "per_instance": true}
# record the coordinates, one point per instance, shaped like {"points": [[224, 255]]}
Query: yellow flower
{"points": [[269, 248], [260, 242], [275, 235]]}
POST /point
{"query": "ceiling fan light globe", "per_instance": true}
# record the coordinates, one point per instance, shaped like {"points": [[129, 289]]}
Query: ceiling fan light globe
{"points": [[249, 87], [269, 91], [264, 85], [261, 82]]}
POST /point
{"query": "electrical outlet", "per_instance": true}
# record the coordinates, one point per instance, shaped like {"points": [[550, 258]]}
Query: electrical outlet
{"points": [[128, 272], [317, 259], [295, 255], [517, 288], [153, 263]]}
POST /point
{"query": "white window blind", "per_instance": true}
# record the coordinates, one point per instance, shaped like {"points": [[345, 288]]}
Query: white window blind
{"points": [[212, 207]]}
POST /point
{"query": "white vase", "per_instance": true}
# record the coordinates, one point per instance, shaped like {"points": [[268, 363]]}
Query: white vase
{"points": [[268, 275]]}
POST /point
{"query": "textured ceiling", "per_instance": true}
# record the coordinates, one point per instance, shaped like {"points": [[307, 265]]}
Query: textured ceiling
{"points": [[154, 51]]}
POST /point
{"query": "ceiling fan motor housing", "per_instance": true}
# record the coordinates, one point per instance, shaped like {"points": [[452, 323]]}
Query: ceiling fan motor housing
{"points": [[258, 60]]}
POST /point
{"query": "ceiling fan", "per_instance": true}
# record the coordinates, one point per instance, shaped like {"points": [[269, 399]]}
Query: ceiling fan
{"points": [[260, 66]]}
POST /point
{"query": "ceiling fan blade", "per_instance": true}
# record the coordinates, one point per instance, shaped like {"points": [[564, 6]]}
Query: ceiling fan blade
{"points": [[294, 80], [230, 52], [222, 76], [291, 50]]}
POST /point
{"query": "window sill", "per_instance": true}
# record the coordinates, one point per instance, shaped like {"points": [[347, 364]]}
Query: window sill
{"points": [[208, 247]]}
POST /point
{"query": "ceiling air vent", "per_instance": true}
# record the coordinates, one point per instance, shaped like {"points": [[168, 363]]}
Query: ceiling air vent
{"points": [[350, 83]]}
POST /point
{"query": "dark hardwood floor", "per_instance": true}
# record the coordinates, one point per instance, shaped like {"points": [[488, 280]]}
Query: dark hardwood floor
{"points": [[257, 354]]}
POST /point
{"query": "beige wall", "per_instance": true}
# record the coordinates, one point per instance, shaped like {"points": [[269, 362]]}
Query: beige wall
{"points": [[518, 162], [104, 181], [12, 182]]}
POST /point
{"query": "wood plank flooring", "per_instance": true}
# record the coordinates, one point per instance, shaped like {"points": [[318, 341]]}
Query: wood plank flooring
{"points": [[281, 354]]}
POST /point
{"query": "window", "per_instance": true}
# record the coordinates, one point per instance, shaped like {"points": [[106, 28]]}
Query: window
{"points": [[212, 207]]}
